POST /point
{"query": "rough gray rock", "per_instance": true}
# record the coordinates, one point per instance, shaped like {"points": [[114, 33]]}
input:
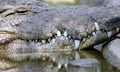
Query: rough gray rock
{"points": [[111, 52]]}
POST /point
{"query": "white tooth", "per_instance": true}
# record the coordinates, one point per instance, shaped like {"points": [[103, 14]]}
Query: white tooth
{"points": [[65, 33], [33, 41], [58, 33], [93, 33], [117, 29], [59, 65], [36, 40], [97, 26], [49, 39], [77, 42], [43, 41], [84, 39], [66, 65], [30, 41], [109, 34], [53, 40], [88, 36], [69, 37]]}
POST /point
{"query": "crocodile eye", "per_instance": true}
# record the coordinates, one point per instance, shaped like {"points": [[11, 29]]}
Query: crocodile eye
{"points": [[22, 10], [6, 12]]}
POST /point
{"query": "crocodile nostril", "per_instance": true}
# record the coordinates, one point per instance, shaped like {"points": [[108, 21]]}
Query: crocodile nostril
{"points": [[22, 10]]}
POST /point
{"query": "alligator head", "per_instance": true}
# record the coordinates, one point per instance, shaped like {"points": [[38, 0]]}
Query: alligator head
{"points": [[36, 28]]}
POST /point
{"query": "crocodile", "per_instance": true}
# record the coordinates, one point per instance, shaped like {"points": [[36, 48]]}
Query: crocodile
{"points": [[32, 27]]}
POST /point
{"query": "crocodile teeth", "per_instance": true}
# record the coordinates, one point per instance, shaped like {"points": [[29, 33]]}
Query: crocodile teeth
{"points": [[36, 40], [84, 39], [97, 26], [69, 37], [58, 33], [117, 29], [43, 41], [30, 41], [109, 34], [77, 42], [59, 65], [65, 33], [93, 33], [66, 65], [88, 36], [49, 40]]}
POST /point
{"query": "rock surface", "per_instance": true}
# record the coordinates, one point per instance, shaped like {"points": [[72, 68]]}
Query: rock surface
{"points": [[111, 52]]}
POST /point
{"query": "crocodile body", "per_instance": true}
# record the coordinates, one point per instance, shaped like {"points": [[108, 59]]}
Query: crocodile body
{"points": [[31, 27]]}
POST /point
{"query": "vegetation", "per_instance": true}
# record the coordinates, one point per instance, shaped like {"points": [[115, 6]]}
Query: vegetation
{"points": [[63, 2]]}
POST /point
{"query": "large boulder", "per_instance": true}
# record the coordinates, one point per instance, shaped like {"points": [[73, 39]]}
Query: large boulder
{"points": [[111, 52]]}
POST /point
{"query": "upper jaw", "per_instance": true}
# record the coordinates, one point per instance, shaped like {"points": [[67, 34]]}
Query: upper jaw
{"points": [[59, 42], [62, 40]]}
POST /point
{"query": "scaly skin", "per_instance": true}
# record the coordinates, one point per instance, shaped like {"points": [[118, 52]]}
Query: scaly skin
{"points": [[33, 28], [24, 27]]}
